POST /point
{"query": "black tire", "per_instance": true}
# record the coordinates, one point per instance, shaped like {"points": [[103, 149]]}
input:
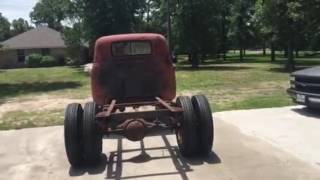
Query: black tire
{"points": [[205, 123], [72, 134], [187, 133], [92, 136]]}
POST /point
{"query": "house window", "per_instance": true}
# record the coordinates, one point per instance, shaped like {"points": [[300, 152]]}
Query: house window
{"points": [[21, 55], [45, 51]]}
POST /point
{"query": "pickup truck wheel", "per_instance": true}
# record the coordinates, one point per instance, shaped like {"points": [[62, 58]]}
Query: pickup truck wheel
{"points": [[73, 134], [92, 135], [205, 123], [187, 133]]}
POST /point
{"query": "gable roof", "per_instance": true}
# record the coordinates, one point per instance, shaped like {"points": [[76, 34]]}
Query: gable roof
{"points": [[41, 37]]}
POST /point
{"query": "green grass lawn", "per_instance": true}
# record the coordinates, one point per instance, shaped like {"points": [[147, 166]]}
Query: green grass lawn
{"points": [[59, 81], [22, 119], [229, 85]]}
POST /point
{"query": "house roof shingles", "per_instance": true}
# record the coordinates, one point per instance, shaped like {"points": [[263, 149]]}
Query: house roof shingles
{"points": [[41, 37]]}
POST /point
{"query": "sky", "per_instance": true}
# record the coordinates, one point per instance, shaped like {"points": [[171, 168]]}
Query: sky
{"points": [[14, 9]]}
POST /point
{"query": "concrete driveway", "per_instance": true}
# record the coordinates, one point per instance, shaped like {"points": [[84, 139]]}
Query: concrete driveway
{"points": [[279, 143]]}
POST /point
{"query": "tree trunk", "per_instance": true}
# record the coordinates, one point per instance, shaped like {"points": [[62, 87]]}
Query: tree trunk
{"points": [[290, 64], [169, 26], [224, 36], [273, 53], [195, 60], [148, 14], [285, 53], [190, 57], [264, 49], [203, 57], [297, 53], [241, 54]]}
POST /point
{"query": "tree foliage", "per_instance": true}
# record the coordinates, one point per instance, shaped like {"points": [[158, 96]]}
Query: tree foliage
{"points": [[105, 17], [199, 27], [293, 24], [242, 30], [19, 26], [74, 39], [4, 28], [50, 13]]}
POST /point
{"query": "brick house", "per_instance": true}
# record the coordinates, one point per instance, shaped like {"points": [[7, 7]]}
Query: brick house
{"points": [[42, 40]]}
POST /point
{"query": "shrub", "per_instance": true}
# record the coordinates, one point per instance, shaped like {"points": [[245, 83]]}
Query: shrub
{"points": [[61, 61], [33, 60], [70, 61], [48, 61]]}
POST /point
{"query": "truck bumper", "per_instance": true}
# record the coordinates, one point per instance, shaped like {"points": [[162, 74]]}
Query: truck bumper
{"points": [[303, 98]]}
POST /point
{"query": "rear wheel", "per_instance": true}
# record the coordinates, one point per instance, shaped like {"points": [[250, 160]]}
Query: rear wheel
{"points": [[92, 135], [205, 123], [187, 132], [73, 134]]}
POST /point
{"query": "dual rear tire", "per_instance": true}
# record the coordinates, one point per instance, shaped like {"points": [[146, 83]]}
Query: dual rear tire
{"points": [[73, 135], [83, 138], [195, 134]]}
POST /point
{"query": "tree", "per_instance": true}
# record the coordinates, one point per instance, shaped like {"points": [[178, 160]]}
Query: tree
{"points": [[258, 23], [312, 25], [19, 26], [50, 13], [287, 24], [265, 32], [157, 12], [74, 39], [106, 17], [242, 29], [197, 26], [225, 13], [75, 36], [4, 28]]}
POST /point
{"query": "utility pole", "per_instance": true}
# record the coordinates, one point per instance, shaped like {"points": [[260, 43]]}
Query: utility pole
{"points": [[169, 25]]}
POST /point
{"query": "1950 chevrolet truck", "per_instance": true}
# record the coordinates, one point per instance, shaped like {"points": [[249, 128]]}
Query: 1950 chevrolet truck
{"points": [[131, 71]]}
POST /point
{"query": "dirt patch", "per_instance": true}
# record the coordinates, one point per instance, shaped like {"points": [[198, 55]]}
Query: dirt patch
{"points": [[188, 93], [39, 103], [47, 102]]}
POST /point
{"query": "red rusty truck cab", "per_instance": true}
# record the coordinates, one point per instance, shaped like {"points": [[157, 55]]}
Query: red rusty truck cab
{"points": [[131, 68], [132, 71]]}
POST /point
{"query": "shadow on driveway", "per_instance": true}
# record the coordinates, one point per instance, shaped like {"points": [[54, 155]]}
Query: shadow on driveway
{"points": [[313, 113], [114, 165]]}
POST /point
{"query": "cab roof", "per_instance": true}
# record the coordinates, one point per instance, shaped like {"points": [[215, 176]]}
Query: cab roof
{"points": [[131, 37]]}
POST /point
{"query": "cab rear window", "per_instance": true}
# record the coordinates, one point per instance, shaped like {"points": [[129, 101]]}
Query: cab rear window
{"points": [[131, 48]]}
